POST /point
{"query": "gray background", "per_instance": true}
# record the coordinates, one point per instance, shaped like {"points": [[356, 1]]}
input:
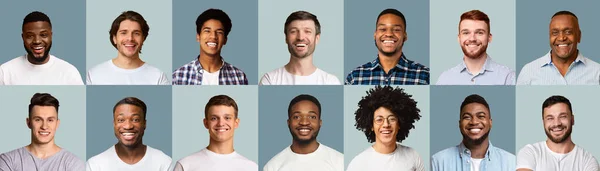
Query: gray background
{"points": [[445, 16], [583, 102], [68, 29], [71, 112], [241, 49], [274, 135], [189, 133], [533, 28], [361, 16], [356, 141], [156, 50], [272, 50], [102, 99], [446, 114]]}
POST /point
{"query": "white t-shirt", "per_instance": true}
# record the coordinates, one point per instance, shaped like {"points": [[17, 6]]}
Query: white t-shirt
{"points": [[402, 159], [56, 71], [281, 76], [107, 73], [208, 160], [210, 78], [322, 159], [539, 157], [153, 160], [475, 164]]}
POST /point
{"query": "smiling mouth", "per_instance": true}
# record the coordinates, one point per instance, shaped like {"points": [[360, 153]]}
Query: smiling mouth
{"points": [[386, 132], [44, 133], [211, 44], [301, 45], [128, 135], [221, 129], [38, 49], [474, 130]]}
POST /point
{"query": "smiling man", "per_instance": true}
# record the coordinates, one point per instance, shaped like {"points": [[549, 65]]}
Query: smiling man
{"points": [[38, 66], [127, 34], [557, 152], [305, 153], [477, 67], [564, 64], [302, 33], [42, 153], [209, 68], [221, 120], [475, 152], [130, 153]]}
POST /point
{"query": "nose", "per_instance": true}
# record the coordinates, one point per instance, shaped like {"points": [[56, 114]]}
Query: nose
{"points": [[127, 125], [474, 121], [304, 121], [45, 125]]}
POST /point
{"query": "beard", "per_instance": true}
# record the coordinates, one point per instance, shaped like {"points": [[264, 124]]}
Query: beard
{"points": [[469, 141], [559, 139], [304, 141], [475, 54], [310, 49], [40, 59]]}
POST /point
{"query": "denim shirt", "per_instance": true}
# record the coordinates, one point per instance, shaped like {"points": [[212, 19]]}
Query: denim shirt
{"points": [[458, 158]]}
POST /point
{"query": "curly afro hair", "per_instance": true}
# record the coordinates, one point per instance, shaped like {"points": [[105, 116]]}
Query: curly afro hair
{"points": [[393, 99]]}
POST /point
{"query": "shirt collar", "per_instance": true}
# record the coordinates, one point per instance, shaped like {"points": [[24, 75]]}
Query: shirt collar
{"points": [[487, 65], [548, 59], [401, 63], [465, 152], [198, 67]]}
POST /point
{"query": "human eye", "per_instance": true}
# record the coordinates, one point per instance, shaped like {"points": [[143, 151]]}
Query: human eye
{"points": [[554, 33], [393, 119], [313, 117], [466, 117], [568, 32], [295, 117]]}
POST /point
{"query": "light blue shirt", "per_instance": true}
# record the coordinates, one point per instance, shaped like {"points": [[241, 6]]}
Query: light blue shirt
{"points": [[491, 73], [542, 71], [458, 158]]}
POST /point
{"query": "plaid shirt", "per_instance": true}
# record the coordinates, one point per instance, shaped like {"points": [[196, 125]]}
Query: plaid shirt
{"points": [[406, 72], [191, 74]]}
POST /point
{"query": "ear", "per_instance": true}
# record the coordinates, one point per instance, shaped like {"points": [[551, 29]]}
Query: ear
{"points": [[144, 124], [197, 37], [405, 37], [236, 123], [579, 38], [114, 38], [205, 123], [317, 37], [490, 39], [225, 41], [289, 122], [320, 122], [572, 119], [28, 123], [57, 123]]}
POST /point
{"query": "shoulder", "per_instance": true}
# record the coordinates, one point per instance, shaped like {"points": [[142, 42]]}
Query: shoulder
{"points": [[186, 67], [245, 161], [359, 160], [278, 158], [101, 67], [72, 159], [417, 66], [232, 68], [152, 69], [504, 154], [158, 155], [197, 156], [15, 61], [528, 149], [329, 78], [103, 158], [535, 63], [332, 152], [445, 153]]}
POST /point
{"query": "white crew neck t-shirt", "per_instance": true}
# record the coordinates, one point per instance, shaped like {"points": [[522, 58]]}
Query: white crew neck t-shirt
{"points": [[153, 160], [208, 160], [107, 73], [322, 159], [280, 76], [475, 164], [402, 159], [210, 78], [539, 157], [56, 71]]}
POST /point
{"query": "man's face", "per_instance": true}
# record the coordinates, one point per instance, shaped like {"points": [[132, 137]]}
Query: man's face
{"points": [[473, 37], [221, 123], [43, 123], [475, 123], [211, 38], [304, 122], [37, 40], [129, 39], [301, 38], [129, 125], [390, 34], [558, 122], [564, 36], [385, 125]]}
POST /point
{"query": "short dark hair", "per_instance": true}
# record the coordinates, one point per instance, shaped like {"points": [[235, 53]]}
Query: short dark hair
{"points": [[132, 101], [302, 15], [34, 17], [128, 15], [392, 11], [43, 99], [221, 100], [475, 15], [552, 100], [215, 14], [304, 97], [564, 13], [474, 98], [393, 99]]}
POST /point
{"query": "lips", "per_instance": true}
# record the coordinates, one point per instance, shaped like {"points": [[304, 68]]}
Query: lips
{"points": [[128, 136], [130, 47], [44, 133], [304, 131], [38, 49], [219, 130], [211, 44], [475, 130], [386, 132]]}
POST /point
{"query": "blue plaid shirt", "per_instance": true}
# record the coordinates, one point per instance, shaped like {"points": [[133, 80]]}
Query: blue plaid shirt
{"points": [[191, 74], [406, 72]]}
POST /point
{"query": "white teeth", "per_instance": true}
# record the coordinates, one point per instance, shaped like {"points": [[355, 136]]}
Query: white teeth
{"points": [[38, 48], [304, 130], [388, 41], [562, 45], [557, 129], [475, 130], [127, 134], [221, 130], [44, 133], [300, 45], [211, 44], [386, 132]]}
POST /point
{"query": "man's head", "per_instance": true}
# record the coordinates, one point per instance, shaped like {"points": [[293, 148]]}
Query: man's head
{"points": [[475, 120], [558, 118], [390, 32], [220, 118], [474, 33], [212, 28], [129, 122], [43, 118], [128, 33], [37, 37], [304, 118], [564, 35], [302, 32], [386, 115]]}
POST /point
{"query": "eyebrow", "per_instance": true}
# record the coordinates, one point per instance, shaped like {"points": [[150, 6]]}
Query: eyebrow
{"points": [[310, 112]]}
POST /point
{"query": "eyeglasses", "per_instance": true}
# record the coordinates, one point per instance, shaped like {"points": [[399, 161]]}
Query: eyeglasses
{"points": [[391, 119]]}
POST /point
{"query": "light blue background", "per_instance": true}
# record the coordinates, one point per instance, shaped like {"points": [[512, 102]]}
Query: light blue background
{"points": [[189, 133], [156, 50], [445, 17], [241, 49], [356, 142], [272, 49], [69, 135]]}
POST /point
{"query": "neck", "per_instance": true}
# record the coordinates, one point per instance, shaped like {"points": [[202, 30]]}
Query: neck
{"points": [[389, 62], [474, 65], [130, 155], [225, 147], [31, 61], [300, 66], [562, 148], [43, 151], [307, 148], [210, 63], [385, 148], [478, 151], [127, 62], [563, 64]]}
